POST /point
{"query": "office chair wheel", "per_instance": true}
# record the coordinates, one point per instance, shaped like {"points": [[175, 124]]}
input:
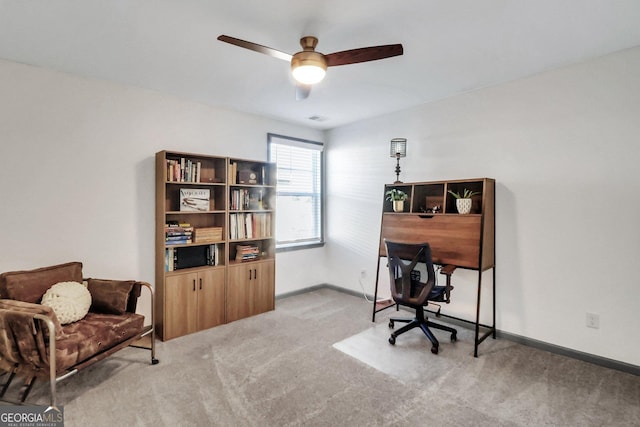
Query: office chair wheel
{"points": [[391, 324], [434, 349], [392, 340]]}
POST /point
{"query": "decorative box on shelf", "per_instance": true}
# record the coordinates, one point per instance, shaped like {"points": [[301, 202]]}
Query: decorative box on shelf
{"points": [[207, 234]]}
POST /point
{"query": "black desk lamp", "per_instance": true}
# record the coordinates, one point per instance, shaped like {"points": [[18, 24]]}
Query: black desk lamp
{"points": [[398, 149]]}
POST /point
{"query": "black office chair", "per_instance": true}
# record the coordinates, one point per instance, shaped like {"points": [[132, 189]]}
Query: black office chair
{"points": [[409, 290]]}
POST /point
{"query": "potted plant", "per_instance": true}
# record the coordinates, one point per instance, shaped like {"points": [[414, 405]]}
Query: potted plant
{"points": [[463, 201], [397, 197]]}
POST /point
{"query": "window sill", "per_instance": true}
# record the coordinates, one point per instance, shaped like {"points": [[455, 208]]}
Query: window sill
{"points": [[298, 246]]}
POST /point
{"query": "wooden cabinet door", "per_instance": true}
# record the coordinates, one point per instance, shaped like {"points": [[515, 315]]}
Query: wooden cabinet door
{"points": [[251, 289], [264, 287], [239, 296], [181, 305], [210, 298]]}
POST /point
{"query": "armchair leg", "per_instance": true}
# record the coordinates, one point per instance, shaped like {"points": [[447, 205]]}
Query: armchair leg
{"points": [[154, 361], [26, 388], [6, 385]]}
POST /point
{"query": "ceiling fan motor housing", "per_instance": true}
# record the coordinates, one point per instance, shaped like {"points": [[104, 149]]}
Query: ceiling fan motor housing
{"points": [[308, 67]]}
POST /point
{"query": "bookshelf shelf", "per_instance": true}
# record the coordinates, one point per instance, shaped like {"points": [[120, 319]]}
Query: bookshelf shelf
{"points": [[194, 213], [194, 270], [200, 200], [195, 184]]}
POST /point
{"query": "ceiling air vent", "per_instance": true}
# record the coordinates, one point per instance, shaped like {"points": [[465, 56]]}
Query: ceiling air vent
{"points": [[318, 118]]}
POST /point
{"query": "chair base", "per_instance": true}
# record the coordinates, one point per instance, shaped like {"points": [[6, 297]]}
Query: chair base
{"points": [[424, 324]]}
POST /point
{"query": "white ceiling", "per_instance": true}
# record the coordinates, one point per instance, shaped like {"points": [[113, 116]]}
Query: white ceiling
{"points": [[450, 46]]}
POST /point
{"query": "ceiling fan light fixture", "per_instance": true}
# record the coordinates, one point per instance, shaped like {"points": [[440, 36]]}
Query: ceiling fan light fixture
{"points": [[308, 67]]}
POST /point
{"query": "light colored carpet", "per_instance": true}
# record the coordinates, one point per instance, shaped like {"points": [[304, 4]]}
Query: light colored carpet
{"points": [[318, 360]]}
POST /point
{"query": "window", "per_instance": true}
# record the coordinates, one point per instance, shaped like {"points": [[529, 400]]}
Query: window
{"points": [[299, 194]]}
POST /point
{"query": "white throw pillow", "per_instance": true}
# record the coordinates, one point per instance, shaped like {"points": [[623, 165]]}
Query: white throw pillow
{"points": [[69, 300]]}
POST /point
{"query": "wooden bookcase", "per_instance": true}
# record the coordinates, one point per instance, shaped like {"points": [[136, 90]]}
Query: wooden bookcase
{"points": [[252, 195], [196, 279], [463, 240]]}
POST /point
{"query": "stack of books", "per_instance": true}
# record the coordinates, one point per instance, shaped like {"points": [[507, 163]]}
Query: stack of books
{"points": [[247, 253], [178, 234], [207, 234]]}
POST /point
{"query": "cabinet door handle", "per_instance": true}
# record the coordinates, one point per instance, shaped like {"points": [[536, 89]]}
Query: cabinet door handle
{"points": [[194, 285], [201, 283], [426, 216], [250, 274]]}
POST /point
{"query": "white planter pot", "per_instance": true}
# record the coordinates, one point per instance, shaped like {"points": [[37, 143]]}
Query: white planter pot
{"points": [[463, 205], [398, 205]]}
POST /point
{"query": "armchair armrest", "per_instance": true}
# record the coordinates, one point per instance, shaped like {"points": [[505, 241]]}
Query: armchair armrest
{"points": [[136, 292], [28, 332], [28, 308]]}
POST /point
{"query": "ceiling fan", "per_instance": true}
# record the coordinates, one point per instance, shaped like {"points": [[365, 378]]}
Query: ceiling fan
{"points": [[309, 67]]}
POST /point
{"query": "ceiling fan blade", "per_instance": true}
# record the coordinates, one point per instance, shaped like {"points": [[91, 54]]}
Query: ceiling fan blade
{"points": [[363, 54], [255, 47], [302, 91]]}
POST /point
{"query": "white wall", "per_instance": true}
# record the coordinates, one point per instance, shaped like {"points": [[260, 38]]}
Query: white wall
{"points": [[564, 148], [77, 170], [76, 183]]}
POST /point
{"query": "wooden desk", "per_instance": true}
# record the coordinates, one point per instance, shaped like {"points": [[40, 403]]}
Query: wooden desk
{"points": [[464, 240]]}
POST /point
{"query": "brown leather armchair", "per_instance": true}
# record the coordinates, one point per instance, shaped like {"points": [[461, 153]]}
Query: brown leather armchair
{"points": [[33, 343]]}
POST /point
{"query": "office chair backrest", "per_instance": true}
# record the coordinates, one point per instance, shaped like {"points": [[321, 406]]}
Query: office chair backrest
{"points": [[403, 259]]}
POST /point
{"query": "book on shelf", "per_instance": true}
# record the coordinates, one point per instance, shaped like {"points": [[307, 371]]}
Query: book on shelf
{"points": [[194, 199], [183, 170], [247, 253]]}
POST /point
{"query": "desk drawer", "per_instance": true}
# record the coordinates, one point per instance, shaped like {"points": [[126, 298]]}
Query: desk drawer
{"points": [[454, 239]]}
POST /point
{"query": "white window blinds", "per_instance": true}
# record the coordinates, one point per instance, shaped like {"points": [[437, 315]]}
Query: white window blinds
{"points": [[299, 190]]}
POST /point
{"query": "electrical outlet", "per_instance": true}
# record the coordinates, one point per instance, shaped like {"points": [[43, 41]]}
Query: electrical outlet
{"points": [[593, 320], [363, 273]]}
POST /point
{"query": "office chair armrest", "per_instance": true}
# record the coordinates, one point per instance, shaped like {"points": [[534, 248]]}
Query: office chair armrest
{"points": [[448, 269]]}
